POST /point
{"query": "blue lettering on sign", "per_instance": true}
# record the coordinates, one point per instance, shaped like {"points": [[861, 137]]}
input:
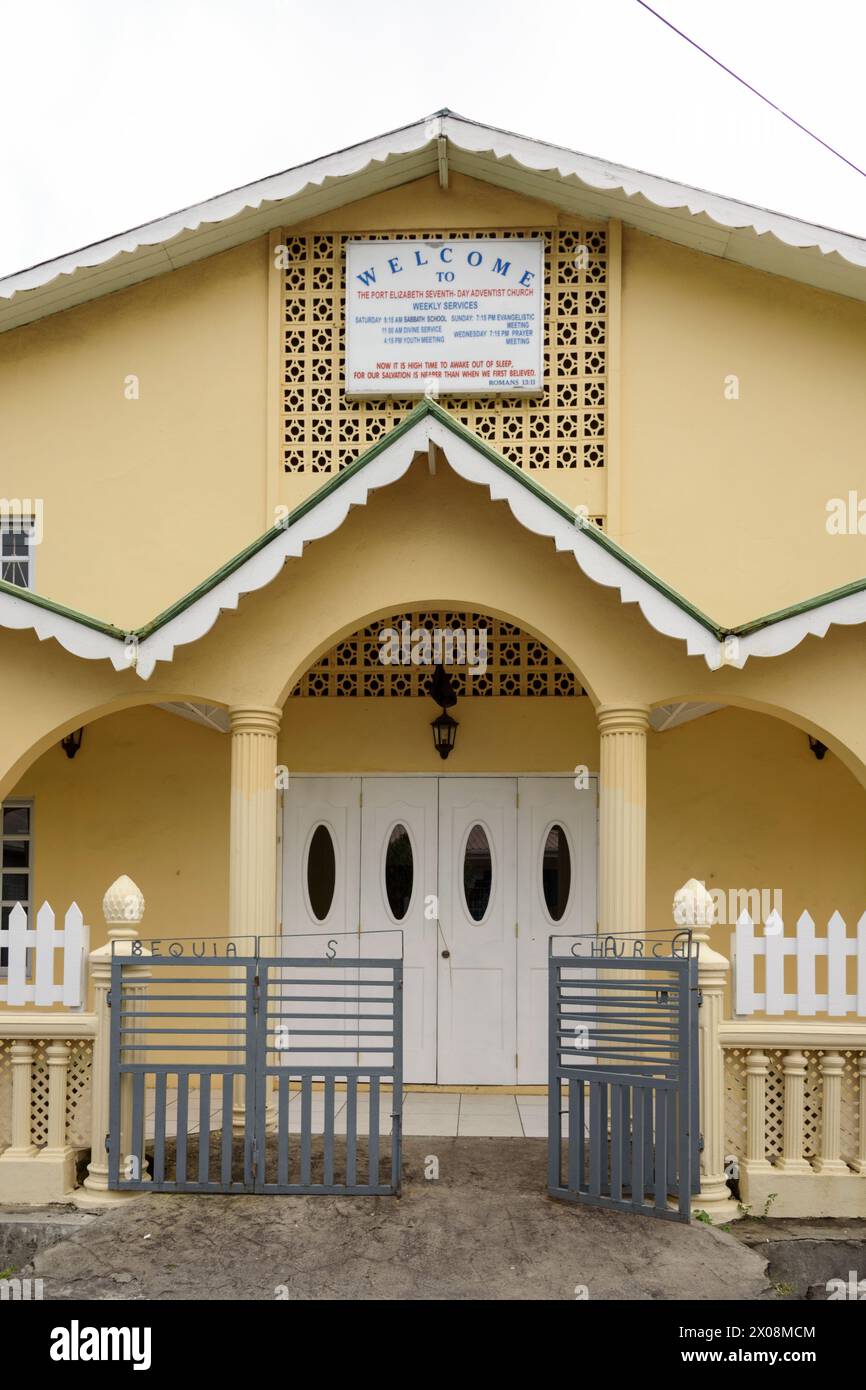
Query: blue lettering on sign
{"points": [[501, 267], [418, 260], [527, 277], [474, 258], [367, 277], [395, 265], [447, 259]]}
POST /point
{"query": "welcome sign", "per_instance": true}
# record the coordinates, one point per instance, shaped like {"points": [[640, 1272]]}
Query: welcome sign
{"points": [[460, 317]]}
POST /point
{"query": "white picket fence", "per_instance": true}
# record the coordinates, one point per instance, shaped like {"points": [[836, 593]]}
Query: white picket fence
{"points": [[43, 941], [837, 946]]}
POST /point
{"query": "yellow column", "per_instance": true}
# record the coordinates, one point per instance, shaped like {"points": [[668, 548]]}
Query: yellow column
{"points": [[253, 821], [252, 843], [622, 818]]}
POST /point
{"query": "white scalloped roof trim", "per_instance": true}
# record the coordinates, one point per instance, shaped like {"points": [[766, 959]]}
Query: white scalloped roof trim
{"points": [[76, 637], [663, 193], [786, 634], [471, 138], [275, 188]]}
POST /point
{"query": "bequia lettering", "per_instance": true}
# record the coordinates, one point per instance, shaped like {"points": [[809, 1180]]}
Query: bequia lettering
{"points": [[193, 948]]}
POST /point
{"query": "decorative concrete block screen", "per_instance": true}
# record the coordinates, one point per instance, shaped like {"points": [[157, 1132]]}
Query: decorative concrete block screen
{"points": [[517, 664], [564, 427]]}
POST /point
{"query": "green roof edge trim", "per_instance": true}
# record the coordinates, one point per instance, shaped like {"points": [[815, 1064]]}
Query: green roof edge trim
{"points": [[51, 606], [424, 408]]}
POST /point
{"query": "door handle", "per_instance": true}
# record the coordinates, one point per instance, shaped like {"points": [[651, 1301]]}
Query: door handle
{"points": [[446, 955]]}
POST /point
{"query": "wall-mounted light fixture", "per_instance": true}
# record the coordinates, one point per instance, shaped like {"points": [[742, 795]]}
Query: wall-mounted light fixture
{"points": [[817, 747], [443, 726], [72, 742]]}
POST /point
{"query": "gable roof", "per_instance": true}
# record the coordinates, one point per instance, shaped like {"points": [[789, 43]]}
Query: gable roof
{"points": [[576, 183], [599, 557]]}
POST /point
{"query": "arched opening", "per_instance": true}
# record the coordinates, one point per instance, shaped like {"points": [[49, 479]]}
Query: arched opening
{"points": [[738, 799]]}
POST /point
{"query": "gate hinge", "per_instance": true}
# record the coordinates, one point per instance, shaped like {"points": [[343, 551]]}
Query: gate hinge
{"points": [[108, 999], [700, 1143], [700, 997], [256, 993], [108, 1143]]}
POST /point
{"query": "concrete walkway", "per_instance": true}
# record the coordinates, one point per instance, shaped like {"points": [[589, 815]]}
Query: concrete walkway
{"points": [[438, 1113], [484, 1229]]}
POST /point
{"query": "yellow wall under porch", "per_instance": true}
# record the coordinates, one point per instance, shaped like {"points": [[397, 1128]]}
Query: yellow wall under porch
{"points": [[735, 798]]}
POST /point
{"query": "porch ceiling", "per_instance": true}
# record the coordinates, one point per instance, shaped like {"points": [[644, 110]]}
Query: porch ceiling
{"points": [[427, 430]]}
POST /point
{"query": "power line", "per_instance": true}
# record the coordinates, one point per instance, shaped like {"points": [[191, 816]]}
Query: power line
{"points": [[753, 90]]}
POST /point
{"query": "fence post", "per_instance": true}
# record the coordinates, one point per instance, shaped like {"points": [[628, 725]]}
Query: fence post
{"points": [[792, 1160], [22, 1145], [757, 1067], [57, 1151], [123, 909], [830, 1157], [694, 908], [859, 1164]]}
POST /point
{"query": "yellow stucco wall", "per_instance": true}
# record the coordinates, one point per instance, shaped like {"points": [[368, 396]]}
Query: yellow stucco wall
{"points": [[739, 800], [142, 498], [735, 798], [146, 795], [726, 499]]}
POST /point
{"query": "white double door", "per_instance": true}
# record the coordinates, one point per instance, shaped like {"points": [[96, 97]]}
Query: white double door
{"points": [[477, 873]]}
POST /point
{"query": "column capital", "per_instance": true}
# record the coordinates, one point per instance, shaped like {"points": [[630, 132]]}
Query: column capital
{"points": [[623, 719], [255, 719]]}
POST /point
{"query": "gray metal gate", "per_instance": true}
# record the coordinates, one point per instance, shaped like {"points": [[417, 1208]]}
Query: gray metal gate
{"points": [[255, 1073], [623, 1073]]}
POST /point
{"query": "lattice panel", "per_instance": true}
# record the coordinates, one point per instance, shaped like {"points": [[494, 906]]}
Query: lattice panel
{"points": [[39, 1095], [735, 1102], [850, 1126], [517, 664], [561, 427], [79, 1091]]}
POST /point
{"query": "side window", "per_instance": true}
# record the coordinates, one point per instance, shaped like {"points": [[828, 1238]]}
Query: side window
{"points": [[17, 533], [16, 862]]}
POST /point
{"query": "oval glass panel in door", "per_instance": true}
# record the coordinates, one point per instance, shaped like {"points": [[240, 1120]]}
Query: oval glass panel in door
{"points": [[477, 872], [556, 872], [321, 872], [399, 872]]}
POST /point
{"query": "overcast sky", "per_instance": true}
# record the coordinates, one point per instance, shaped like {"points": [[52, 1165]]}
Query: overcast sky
{"points": [[113, 112]]}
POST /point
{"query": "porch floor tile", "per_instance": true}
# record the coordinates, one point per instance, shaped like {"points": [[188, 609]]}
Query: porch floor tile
{"points": [[438, 1114]]}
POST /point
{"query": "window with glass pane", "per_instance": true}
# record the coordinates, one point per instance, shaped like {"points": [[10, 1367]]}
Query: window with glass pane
{"points": [[16, 551], [477, 872], [16, 861], [556, 872]]}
